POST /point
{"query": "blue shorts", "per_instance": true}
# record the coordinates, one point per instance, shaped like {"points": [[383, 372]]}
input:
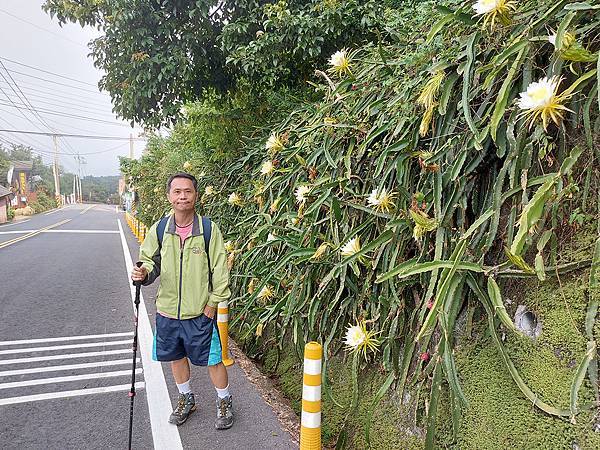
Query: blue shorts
{"points": [[196, 338]]}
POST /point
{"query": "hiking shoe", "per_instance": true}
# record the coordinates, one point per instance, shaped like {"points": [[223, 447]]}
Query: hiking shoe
{"points": [[224, 413], [186, 404]]}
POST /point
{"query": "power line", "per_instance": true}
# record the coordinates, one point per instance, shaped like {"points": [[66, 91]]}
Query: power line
{"points": [[68, 95], [51, 153], [21, 140], [62, 124], [74, 103], [30, 106], [103, 151], [48, 72], [63, 114], [56, 82], [23, 97], [20, 112], [83, 136], [77, 108], [43, 29]]}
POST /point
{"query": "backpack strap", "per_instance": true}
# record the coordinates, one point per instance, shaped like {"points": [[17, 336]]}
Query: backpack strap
{"points": [[160, 231], [207, 232]]}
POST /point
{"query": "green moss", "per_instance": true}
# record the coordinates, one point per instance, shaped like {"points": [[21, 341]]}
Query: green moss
{"points": [[390, 427], [580, 246], [499, 416]]}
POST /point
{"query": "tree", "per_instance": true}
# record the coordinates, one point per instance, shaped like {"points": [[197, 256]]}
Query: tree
{"points": [[157, 55]]}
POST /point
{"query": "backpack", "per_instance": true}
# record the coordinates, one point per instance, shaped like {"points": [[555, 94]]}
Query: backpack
{"points": [[206, 233]]}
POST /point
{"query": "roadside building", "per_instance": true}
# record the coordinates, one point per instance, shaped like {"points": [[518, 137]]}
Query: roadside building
{"points": [[6, 196], [20, 174]]}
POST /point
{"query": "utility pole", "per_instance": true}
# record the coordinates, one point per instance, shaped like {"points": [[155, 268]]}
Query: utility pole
{"points": [[82, 160], [130, 145], [74, 196], [56, 174]]}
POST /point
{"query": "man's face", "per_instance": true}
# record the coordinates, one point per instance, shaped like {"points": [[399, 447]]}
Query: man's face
{"points": [[182, 195]]}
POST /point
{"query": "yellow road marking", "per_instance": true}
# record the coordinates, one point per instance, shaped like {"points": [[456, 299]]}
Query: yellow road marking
{"points": [[33, 233]]}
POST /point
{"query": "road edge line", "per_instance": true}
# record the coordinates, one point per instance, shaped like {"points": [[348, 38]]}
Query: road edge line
{"points": [[164, 435]]}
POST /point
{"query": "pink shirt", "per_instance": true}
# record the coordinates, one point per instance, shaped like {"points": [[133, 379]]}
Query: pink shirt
{"points": [[184, 232]]}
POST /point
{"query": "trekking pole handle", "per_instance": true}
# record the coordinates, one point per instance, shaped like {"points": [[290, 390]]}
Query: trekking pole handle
{"points": [[138, 283]]}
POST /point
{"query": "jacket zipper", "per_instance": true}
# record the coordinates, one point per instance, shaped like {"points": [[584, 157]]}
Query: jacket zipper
{"points": [[180, 280]]}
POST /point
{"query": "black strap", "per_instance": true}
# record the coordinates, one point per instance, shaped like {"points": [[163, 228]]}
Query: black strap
{"points": [[206, 233], [160, 230]]}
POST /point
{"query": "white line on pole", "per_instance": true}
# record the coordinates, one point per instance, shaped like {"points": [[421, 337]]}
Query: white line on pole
{"points": [[85, 376], [66, 338], [64, 394], [59, 357], [164, 435], [13, 351], [116, 362]]}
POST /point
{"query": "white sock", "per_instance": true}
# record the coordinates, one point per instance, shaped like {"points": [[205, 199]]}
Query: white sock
{"points": [[184, 388], [223, 393]]}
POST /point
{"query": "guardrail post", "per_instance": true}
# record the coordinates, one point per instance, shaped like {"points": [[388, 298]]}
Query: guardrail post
{"points": [[223, 324], [310, 427]]}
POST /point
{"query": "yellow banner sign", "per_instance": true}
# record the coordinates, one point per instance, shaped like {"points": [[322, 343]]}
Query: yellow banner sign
{"points": [[22, 183]]}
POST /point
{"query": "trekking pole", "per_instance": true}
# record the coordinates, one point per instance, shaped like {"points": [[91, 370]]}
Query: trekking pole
{"points": [[138, 286]]}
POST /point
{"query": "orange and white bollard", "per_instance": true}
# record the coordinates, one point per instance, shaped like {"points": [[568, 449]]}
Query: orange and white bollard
{"points": [[223, 324], [310, 427]]}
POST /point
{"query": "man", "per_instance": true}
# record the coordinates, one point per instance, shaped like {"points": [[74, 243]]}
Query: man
{"points": [[186, 305]]}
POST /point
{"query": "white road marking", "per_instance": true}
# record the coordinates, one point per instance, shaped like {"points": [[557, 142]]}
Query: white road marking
{"points": [[21, 238], [85, 376], [55, 210], [65, 338], [15, 223], [61, 231], [164, 435], [83, 231], [116, 362], [67, 356], [13, 351], [87, 209], [73, 393]]}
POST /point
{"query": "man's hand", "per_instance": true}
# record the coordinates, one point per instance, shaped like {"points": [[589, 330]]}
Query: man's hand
{"points": [[138, 273], [209, 311]]}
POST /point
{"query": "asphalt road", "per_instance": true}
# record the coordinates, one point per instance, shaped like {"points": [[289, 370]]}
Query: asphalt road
{"points": [[66, 315]]}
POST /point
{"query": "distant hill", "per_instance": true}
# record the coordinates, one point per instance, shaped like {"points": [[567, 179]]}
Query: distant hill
{"points": [[100, 189]]}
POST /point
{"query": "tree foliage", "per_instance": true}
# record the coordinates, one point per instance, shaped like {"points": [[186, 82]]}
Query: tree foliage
{"points": [[158, 55]]}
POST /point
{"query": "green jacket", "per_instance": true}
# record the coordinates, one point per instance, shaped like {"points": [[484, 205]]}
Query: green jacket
{"points": [[183, 292]]}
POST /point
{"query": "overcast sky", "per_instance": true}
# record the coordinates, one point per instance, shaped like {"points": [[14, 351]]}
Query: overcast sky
{"points": [[29, 37]]}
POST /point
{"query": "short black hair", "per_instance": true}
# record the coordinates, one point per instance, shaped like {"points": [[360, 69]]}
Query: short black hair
{"points": [[190, 177]]}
